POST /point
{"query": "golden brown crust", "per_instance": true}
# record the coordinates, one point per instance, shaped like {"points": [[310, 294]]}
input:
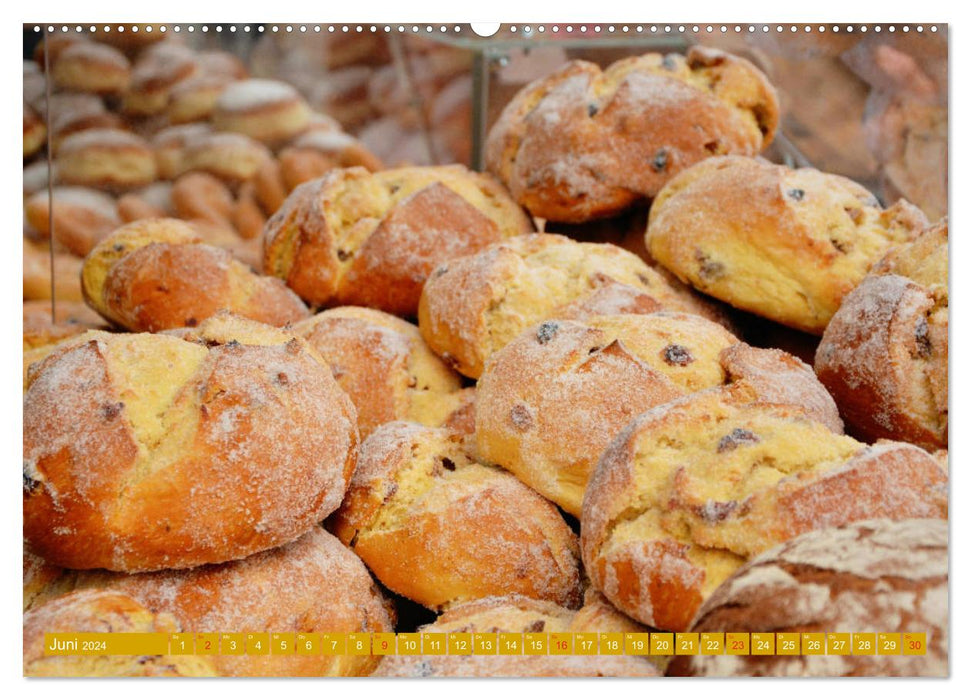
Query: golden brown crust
{"points": [[88, 66], [73, 318], [384, 366], [583, 143], [439, 528], [111, 159], [784, 244], [232, 157], [474, 305], [156, 72], [876, 576], [312, 585], [82, 216], [691, 490], [119, 430], [37, 273], [353, 237], [155, 274], [269, 111], [108, 611], [884, 355]]}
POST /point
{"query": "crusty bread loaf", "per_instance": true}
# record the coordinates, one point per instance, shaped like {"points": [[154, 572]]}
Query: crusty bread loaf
{"points": [[876, 576], [517, 614], [691, 490], [550, 402], [884, 355], [354, 237], [439, 528], [784, 244], [144, 452], [385, 367], [155, 274], [474, 305], [585, 143], [101, 612], [311, 585]]}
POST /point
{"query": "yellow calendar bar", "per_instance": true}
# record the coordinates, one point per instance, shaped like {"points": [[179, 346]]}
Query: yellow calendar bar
{"points": [[487, 643]]}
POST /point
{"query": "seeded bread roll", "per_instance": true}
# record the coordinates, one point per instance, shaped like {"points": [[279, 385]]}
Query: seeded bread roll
{"points": [[874, 576], [144, 452], [384, 366], [514, 614], [82, 216], [693, 489], [312, 585], [267, 110], [550, 402], [438, 528], [884, 354], [101, 612], [155, 274], [88, 66], [106, 158], [585, 144], [371, 239], [474, 305], [784, 244]]}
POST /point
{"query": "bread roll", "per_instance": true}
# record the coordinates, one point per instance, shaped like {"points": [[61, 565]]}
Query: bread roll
{"points": [[234, 158], [37, 273], [82, 216], [438, 528], [311, 585], [170, 146], [884, 355], [155, 274], [371, 239], [144, 452], [874, 576], [693, 489], [269, 111], [585, 143], [551, 401], [88, 66], [784, 244], [156, 72], [384, 366], [105, 158], [475, 305], [73, 318]]}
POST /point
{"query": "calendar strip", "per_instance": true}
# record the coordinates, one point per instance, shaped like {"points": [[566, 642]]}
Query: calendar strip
{"points": [[482, 644]]}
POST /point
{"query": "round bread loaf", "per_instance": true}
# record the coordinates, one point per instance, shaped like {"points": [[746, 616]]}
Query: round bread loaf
{"points": [[267, 110], [313, 585], [551, 401], [101, 612], [438, 528], [475, 305], [106, 158], [875, 576], [82, 216], [784, 244], [514, 614], [88, 66], [372, 239], [884, 355], [155, 274], [585, 143], [144, 452], [384, 366], [691, 490]]}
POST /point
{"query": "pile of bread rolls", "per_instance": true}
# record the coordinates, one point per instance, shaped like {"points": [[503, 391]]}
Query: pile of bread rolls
{"points": [[289, 390]]}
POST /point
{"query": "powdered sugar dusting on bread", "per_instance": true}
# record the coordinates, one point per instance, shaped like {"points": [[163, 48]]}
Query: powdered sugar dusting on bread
{"points": [[255, 93]]}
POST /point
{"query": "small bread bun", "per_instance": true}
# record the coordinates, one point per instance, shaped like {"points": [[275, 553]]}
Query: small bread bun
{"points": [[340, 149], [106, 158], [70, 113], [267, 110], [152, 202], [784, 244], [876, 576], [693, 489], [37, 273], [144, 452], [884, 354], [102, 612], [585, 143], [82, 216], [198, 196], [234, 158], [156, 72], [51, 45], [513, 614], [194, 99], [35, 132], [269, 187], [170, 145], [438, 528], [155, 274], [473, 306], [248, 219], [372, 239], [312, 585], [384, 366], [87, 66]]}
